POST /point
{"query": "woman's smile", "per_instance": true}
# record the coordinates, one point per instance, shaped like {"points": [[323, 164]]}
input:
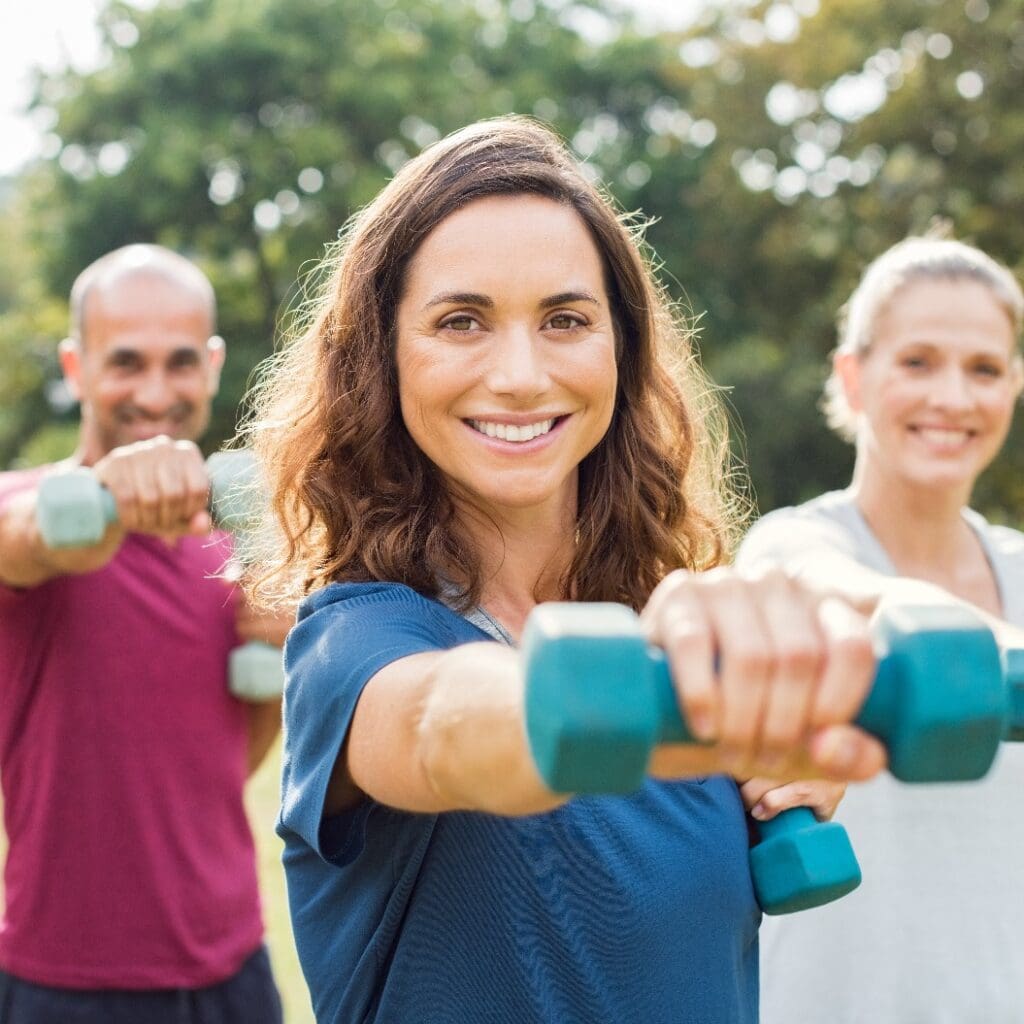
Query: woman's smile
{"points": [[506, 368]]}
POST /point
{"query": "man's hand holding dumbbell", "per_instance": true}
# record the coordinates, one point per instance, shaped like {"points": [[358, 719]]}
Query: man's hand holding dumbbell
{"points": [[162, 488], [157, 486]]}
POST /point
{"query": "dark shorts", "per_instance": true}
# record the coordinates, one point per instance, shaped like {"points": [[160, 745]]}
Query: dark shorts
{"points": [[248, 997]]}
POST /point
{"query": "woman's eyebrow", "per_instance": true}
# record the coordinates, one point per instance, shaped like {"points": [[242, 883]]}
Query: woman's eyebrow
{"points": [[460, 299], [563, 297], [485, 302]]}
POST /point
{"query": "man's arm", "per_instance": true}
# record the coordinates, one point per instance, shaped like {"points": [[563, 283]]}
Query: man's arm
{"points": [[269, 626], [264, 722], [26, 561], [159, 486]]}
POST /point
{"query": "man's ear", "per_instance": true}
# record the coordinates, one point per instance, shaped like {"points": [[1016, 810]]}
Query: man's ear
{"points": [[847, 369], [69, 352], [215, 352]]}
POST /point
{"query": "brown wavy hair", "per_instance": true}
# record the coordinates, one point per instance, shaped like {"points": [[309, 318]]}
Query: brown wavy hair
{"points": [[354, 498]]}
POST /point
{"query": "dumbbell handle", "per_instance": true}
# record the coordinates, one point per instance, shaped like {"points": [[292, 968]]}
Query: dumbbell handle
{"points": [[1013, 667]]}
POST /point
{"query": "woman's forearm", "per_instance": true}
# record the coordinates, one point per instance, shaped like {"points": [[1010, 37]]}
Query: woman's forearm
{"points": [[471, 735]]}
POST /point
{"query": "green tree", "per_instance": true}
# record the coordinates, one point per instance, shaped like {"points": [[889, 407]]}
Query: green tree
{"points": [[779, 146]]}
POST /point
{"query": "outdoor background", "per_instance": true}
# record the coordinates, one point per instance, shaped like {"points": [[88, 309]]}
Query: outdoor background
{"points": [[777, 147]]}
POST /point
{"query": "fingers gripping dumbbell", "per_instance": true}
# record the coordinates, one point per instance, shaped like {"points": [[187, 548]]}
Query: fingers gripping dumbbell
{"points": [[599, 698], [74, 509]]}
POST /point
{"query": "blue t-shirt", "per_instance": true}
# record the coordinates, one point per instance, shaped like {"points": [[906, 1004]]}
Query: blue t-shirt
{"points": [[607, 909]]}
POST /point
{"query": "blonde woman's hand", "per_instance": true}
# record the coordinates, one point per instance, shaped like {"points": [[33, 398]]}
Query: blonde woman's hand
{"points": [[765, 798]]}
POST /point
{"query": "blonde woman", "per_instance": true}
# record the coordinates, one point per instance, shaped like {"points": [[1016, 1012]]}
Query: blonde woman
{"points": [[924, 382]]}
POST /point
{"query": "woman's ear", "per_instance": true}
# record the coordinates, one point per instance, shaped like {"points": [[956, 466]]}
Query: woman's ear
{"points": [[847, 370]]}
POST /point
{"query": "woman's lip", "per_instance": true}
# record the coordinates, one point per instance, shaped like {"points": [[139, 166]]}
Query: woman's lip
{"points": [[516, 419]]}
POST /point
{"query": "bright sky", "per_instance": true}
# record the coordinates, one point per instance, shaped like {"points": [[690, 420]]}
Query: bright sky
{"points": [[53, 33]]}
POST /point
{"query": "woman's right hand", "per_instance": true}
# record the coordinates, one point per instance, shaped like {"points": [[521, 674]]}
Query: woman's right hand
{"points": [[769, 674]]}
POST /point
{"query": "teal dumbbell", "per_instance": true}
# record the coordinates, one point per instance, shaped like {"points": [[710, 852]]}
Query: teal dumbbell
{"points": [[74, 509], [599, 698]]}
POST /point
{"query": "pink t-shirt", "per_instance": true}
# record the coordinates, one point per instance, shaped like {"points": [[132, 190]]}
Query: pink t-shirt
{"points": [[123, 760]]}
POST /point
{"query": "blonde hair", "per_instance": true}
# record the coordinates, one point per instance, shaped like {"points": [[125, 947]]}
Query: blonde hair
{"points": [[928, 257]]}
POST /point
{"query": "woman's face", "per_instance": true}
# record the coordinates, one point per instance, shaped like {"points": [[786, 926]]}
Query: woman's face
{"points": [[506, 352], [937, 387]]}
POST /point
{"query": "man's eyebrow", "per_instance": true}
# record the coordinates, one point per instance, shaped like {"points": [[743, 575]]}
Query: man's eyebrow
{"points": [[484, 302], [120, 353]]}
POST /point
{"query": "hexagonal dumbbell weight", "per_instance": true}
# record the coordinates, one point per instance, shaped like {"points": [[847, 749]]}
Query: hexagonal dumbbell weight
{"points": [[74, 509], [599, 698]]}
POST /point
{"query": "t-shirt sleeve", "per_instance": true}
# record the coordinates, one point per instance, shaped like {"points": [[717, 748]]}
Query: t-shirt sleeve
{"points": [[11, 485], [330, 656], [790, 537]]}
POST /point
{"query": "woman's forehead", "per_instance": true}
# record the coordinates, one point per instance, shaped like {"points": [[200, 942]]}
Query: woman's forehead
{"points": [[507, 243], [949, 309]]}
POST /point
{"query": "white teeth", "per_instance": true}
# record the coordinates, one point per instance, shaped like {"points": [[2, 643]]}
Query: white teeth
{"points": [[511, 432], [944, 438]]}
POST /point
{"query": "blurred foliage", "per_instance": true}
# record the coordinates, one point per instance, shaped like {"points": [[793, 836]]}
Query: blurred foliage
{"points": [[779, 145]]}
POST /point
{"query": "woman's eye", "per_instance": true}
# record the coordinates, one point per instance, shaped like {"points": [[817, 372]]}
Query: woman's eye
{"points": [[462, 323], [914, 362], [988, 370], [564, 322]]}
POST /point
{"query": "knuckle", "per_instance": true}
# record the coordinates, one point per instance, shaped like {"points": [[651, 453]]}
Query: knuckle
{"points": [[683, 635], [855, 651], [749, 659], [774, 800], [800, 659], [739, 733], [780, 733], [699, 701], [803, 793], [147, 498]]}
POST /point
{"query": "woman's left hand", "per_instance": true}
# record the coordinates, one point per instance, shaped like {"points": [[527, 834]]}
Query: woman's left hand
{"points": [[765, 798]]}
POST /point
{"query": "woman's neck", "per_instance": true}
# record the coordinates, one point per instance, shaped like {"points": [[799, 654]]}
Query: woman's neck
{"points": [[523, 558], [925, 535]]}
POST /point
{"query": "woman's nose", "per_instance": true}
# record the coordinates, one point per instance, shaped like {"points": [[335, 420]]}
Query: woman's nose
{"points": [[518, 367]]}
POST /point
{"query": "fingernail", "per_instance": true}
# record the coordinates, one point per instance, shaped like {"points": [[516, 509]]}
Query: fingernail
{"points": [[838, 752], [758, 811], [701, 725]]}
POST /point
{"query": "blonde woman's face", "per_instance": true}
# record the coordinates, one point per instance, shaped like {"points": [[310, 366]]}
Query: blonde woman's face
{"points": [[506, 352], [935, 392]]}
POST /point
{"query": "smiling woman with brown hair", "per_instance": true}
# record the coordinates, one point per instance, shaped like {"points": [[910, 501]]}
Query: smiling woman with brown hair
{"points": [[492, 407], [340, 450]]}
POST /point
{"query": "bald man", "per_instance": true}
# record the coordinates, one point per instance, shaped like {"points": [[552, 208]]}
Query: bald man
{"points": [[131, 894]]}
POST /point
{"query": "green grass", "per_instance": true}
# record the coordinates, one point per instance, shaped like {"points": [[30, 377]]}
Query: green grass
{"points": [[261, 800]]}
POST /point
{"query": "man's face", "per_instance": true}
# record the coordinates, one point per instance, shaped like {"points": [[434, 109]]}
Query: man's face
{"points": [[145, 365]]}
